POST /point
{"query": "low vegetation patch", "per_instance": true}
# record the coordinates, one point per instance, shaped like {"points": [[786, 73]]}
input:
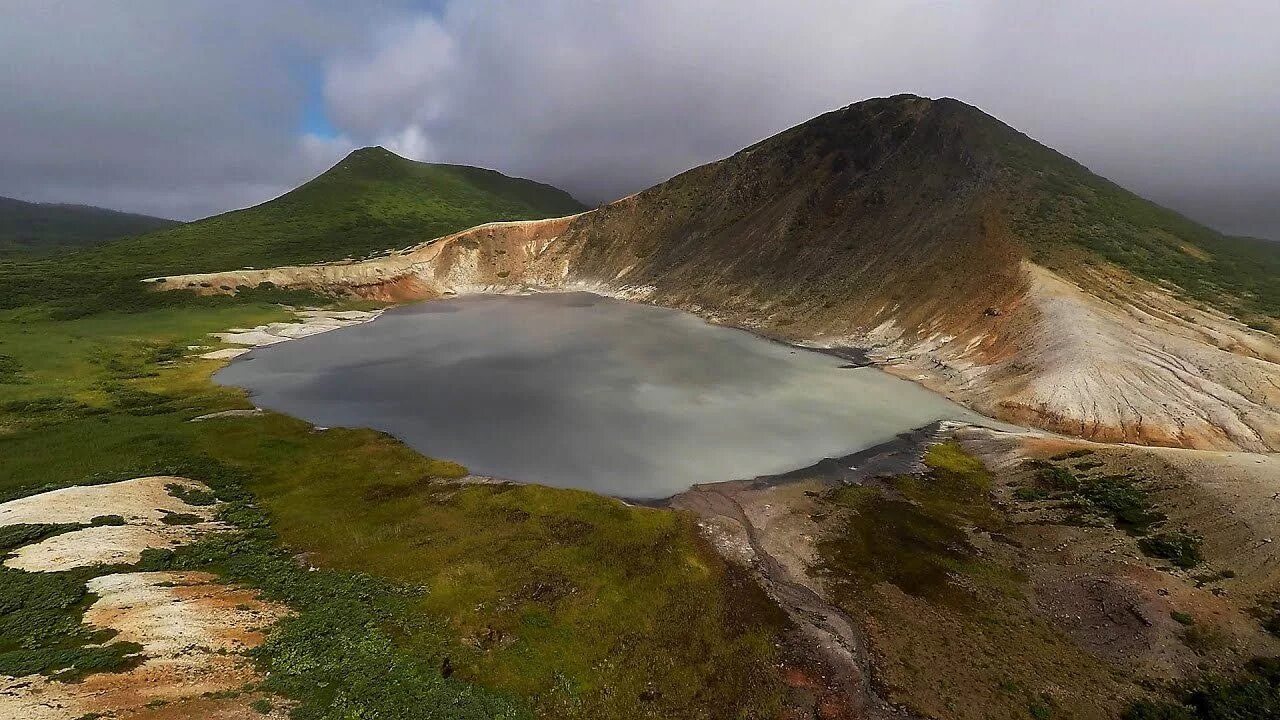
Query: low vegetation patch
{"points": [[10, 370], [191, 495], [41, 628], [1117, 498], [1252, 695], [916, 542], [1179, 547], [15, 536], [181, 519], [1123, 499], [904, 560], [1056, 477]]}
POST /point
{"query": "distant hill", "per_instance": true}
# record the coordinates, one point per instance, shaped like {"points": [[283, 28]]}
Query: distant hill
{"points": [[27, 227], [370, 201]]}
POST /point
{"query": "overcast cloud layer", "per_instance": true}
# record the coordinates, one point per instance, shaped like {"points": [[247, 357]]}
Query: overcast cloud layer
{"points": [[189, 108]]}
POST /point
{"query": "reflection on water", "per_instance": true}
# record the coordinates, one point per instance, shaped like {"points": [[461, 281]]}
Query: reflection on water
{"points": [[575, 390]]}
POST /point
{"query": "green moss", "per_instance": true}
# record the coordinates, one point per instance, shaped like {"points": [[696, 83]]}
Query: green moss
{"points": [[1123, 499], [917, 543], [191, 496], [1251, 695], [10, 370], [950, 462], [1179, 547], [1056, 477], [181, 519]]}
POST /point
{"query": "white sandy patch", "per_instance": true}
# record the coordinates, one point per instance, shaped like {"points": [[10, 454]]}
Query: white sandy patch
{"points": [[228, 414], [313, 322], [251, 338], [175, 617], [140, 500], [224, 354], [192, 631], [103, 545]]}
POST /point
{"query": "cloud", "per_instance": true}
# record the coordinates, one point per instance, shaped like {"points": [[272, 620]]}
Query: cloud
{"points": [[604, 98], [402, 80], [189, 108], [178, 109], [410, 142], [1176, 99]]}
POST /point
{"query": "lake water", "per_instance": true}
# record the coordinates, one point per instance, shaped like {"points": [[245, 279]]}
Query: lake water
{"points": [[576, 390]]}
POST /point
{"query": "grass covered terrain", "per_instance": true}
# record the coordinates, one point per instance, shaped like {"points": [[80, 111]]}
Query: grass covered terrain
{"points": [[1253, 694], [951, 619], [1100, 499], [372, 201], [481, 600], [47, 227], [1065, 214]]}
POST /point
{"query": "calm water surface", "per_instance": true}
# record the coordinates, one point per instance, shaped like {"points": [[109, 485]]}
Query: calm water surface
{"points": [[576, 390]]}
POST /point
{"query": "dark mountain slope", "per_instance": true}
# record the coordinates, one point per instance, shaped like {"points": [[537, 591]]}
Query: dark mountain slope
{"points": [[880, 201], [881, 208], [47, 227]]}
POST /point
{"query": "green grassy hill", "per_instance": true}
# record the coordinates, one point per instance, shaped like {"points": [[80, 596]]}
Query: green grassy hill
{"points": [[370, 201], [47, 227]]}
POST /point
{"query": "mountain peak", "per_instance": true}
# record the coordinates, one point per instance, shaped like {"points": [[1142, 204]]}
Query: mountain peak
{"points": [[372, 151]]}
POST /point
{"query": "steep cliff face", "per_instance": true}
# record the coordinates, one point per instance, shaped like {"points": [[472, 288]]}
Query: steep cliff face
{"points": [[960, 253]]}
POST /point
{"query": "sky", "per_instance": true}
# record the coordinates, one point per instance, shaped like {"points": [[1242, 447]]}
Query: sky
{"points": [[186, 108]]}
